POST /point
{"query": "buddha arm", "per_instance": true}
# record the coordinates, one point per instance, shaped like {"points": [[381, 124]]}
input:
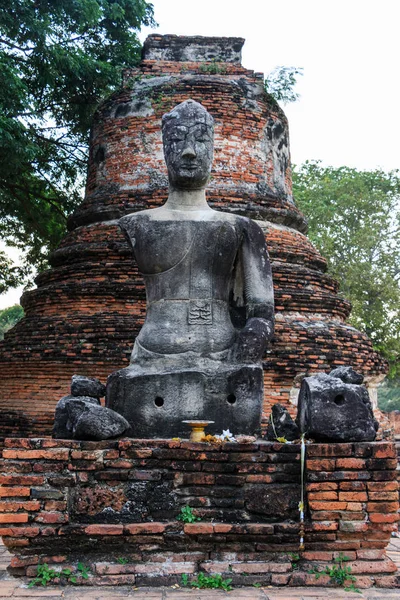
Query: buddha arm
{"points": [[258, 294]]}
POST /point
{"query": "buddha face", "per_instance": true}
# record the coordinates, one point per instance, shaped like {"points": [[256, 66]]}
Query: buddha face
{"points": [[188, 135]]}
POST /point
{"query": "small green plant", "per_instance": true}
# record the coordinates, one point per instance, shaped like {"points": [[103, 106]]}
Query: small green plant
{"points": [[122, 561], [130, 82], [294, 559], [68, 575], [213, 67], [44, 576], [257, 585], [185, 580], [204, 581], [157, 100], [83, 571], [338, 573], [186, 515]]}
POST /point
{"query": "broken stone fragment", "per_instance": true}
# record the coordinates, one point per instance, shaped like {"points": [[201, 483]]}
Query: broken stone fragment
{"points": [[281, 425], [97, 423], [87, 386], [347, 375], [63, 426], [330, 410], [83, 418]]}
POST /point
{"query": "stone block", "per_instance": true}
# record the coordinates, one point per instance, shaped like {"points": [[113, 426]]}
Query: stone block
{"points": [[156, 404], [330, 410], [87, 386]]}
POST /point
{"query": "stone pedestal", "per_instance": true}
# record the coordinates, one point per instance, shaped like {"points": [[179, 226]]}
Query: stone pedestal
{"points": [[155, 404]]}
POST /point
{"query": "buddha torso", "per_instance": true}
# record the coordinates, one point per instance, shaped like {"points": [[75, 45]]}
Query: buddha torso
{"points": [[187, 259]]}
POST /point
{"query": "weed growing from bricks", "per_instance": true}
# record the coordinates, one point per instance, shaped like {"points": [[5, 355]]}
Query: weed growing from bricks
{"points": [[204, 581], [187, 516], [338, 573]]}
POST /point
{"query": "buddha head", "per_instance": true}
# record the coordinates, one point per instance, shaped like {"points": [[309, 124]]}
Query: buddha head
{"points": [[188, 138]]}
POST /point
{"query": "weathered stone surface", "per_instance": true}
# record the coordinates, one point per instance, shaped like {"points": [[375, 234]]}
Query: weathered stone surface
{"points": [[87, 386], [96, 422], [196, 48], [210, 311], [347, 375], [281, 425], [330, 410], [63, 426], [83, 418], [274, 501], [156, 404]]}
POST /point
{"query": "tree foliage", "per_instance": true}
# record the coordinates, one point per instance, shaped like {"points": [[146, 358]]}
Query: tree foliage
{"points": [[354, 220], [58, 59], [9, 317], [389, 394], [280, 83]]}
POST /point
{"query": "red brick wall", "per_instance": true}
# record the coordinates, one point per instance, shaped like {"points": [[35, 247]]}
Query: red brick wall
{"points": [[67, 501]]}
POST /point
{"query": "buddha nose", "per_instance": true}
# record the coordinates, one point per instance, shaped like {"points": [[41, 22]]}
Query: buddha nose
{"points": [[189, 152]]}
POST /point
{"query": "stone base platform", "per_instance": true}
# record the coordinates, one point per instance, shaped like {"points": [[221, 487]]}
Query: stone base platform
{"points": [[113, 505]]}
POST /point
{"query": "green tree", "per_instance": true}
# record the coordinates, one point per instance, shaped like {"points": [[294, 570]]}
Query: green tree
{"points": [[354, 220], [9, 317], [280, 83], [58, 59]]}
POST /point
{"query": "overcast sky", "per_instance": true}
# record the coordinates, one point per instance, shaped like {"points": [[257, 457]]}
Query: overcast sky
{"points": [[348, 112]]}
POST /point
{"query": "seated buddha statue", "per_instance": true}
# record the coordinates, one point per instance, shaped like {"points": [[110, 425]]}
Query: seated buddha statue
{"points": [[210, 307]]}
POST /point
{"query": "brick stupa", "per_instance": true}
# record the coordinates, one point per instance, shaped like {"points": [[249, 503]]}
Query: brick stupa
{"points": [[87, 309]]}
